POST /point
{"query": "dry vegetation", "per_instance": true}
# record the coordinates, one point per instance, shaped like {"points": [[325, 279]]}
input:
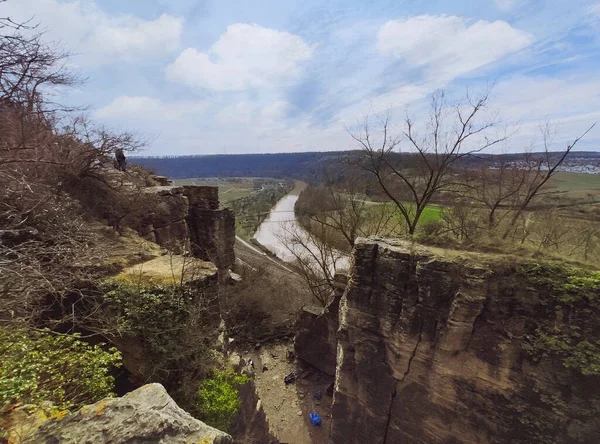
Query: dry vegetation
{"points": [[59, 194], [436, 193]]}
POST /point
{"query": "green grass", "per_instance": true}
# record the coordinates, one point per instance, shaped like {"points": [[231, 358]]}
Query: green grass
{"points": [[431, 213], [566, 181], [229, 193]]}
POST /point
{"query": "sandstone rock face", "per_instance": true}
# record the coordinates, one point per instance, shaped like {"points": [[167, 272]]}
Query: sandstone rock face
{"points": [[190, 216], [146, 415], [212, 230], [316, 337], [430, 350]]}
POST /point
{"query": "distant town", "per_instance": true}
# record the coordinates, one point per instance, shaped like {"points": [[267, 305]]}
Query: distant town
{"points": [[577, 162]]}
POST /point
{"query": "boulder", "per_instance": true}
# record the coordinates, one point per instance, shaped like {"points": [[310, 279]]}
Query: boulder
{"points": [[146, 415]]}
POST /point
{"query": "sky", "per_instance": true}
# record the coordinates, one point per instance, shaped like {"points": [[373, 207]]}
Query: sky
{"points": [[264, 76]]}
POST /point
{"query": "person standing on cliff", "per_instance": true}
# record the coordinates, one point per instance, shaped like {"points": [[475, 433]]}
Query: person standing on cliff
{"points": [[121, 160]]}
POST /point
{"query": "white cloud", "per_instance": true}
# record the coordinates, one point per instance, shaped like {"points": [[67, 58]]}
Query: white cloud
{"points": [[595, 10], [506, 5], [255, 115], [571, 103], [147, 108], [131, 37], [245, 56], [95, 36], [449, 46]]}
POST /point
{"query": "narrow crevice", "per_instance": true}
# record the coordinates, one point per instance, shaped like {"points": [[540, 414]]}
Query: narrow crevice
{"points": [[414, 352], [389, 416]]}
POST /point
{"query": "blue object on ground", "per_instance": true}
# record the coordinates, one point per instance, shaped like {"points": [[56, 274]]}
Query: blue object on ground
{"points": [[315, 419]]}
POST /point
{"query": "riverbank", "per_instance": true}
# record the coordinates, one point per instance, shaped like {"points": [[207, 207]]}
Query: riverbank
{"points": [[283, 235]]}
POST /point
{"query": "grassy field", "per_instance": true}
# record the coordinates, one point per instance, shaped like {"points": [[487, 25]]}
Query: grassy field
{"points": [[431, 213], [565, 181], [230, 189]]}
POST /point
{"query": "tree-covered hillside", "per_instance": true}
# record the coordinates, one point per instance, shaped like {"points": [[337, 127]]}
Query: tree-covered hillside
{"points": [[305, 166]]}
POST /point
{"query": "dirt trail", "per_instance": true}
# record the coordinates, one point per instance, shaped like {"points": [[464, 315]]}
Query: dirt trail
{"points": [[288, 406]]}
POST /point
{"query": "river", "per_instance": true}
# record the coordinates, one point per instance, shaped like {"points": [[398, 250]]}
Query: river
{"points": [[280, 233]]}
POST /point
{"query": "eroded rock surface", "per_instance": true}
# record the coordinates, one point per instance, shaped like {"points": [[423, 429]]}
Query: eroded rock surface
{"points": [[316, 337], [190, 216], [431, 350], [146, 415]]}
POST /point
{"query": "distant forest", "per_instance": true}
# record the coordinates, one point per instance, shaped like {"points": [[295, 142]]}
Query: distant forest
{"points": [[304, 166]]}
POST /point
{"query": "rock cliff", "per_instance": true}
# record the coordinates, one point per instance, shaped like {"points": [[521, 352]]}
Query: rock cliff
{"points": [[316, 337], [432, 349], [146, 415], [190, 216]]}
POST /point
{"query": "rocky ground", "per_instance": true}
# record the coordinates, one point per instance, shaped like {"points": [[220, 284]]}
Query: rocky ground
{"points": [[269, 287], [287, 406]]}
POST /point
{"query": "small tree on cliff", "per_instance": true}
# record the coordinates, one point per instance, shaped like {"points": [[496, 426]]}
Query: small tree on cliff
{"points": [[413, 179]]}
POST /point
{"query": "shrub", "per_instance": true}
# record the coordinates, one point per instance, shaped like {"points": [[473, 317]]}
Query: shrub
{"points": [[176, 323], [218, 398], [175, 327], [42, 366], [575, 353], [564, 284], [573, 338]]}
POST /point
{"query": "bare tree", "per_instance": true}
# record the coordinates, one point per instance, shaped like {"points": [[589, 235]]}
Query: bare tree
{"points": [[539, 171], [316, 260], [45, 243], [340, 210], [413, 179], [496, 187], [29, 67]]}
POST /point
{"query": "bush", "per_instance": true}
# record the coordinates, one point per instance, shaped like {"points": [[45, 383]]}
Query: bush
{"points": [[176, 323], [574, 337], [174, 326], [43, 366], [576, 353], [218, 398]]}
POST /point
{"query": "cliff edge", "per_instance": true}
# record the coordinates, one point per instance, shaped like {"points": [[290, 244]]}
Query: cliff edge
{"points": [[438, 349]]}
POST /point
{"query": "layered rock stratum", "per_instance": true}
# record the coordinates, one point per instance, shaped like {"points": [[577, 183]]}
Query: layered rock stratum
{"points": [[434, 349], [191, 217]]}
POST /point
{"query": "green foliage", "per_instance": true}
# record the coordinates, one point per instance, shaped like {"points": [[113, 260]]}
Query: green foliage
{"points": [[576, 353], [149, 310], [173, 325], [218, 398], [574, 337], [62, 369], [172, 321], [562, 283]]}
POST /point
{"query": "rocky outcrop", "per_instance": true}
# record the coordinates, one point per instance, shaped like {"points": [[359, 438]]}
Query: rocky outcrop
{"points": [[146, 415], [190, 217], [203, 277], [433, 349], [212, 230], [316, 341]]}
